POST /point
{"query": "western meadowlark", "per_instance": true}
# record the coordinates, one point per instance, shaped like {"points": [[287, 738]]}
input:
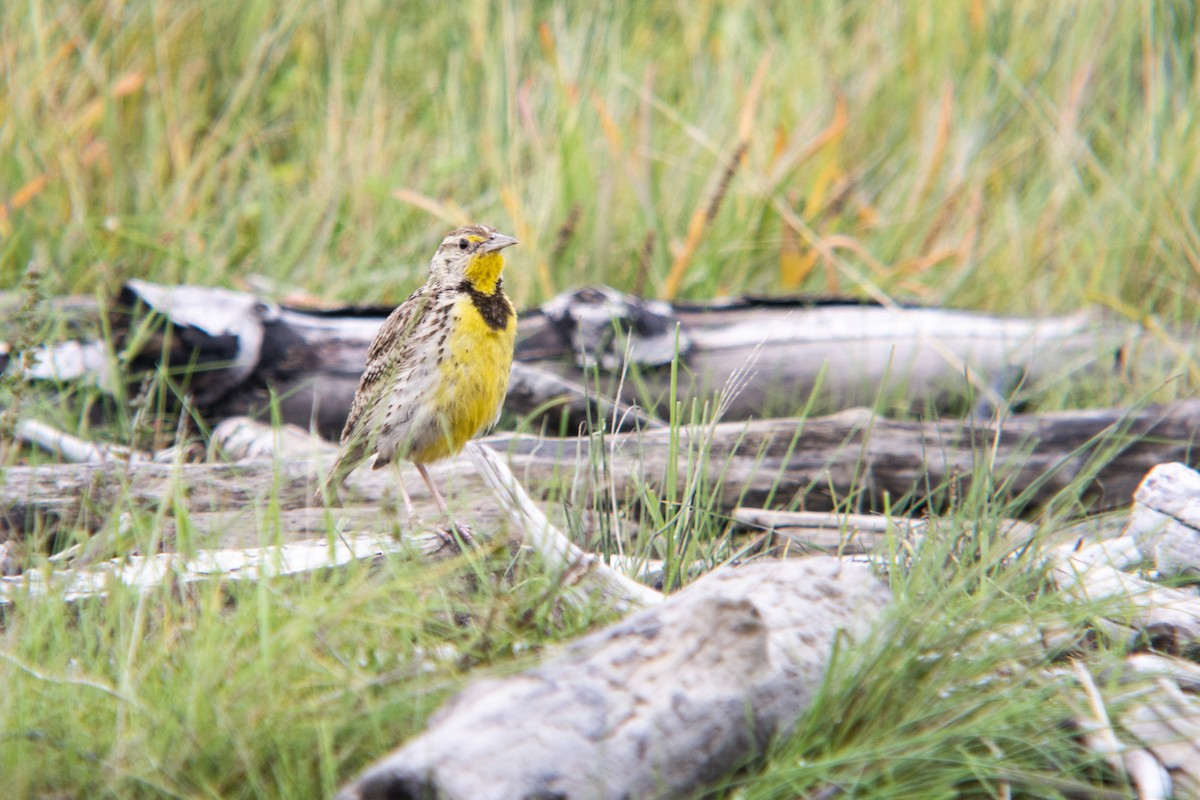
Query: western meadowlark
{"points": [[438, 369]]}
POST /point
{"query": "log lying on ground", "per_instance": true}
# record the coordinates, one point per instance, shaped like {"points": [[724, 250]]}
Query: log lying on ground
{"points": [[238, 354], [854, 350], [809, 462], [1155, 698], [849, 534], [1165, 520], [658, 705], [506, 509], [251, 563], [1168, 616], [860, 456], [245, 352]]}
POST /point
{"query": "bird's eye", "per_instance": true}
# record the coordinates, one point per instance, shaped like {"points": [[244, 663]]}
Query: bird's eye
{"points": [[463, 244]]}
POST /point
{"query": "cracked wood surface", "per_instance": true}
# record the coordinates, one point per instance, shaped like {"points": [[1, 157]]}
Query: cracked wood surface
{"points": [[658, 705]]}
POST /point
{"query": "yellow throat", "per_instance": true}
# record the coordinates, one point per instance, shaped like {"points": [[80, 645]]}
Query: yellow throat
{"points": [[483, 271]]}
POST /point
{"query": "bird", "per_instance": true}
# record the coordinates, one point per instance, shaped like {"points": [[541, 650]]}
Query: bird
{"points": [[437, 370]]}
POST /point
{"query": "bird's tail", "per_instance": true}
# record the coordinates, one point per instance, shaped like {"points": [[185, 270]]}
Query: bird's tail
{"points": [[328, 493]]}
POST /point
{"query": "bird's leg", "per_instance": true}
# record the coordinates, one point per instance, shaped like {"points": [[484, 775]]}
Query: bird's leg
{"points": [[464, 531], [433, 490], [413, 519]]}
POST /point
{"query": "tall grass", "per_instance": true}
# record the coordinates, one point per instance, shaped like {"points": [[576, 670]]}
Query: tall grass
{"points": [[1020, 157]]}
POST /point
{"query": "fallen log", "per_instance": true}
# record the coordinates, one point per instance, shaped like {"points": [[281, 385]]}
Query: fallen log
{"points": [[1156, 739], [238, 354], [245, 353], [1165, 520], [658, 705], [230, 519], [852, 351], [854, 460], [1170, 616], [852, 534], [858, 460], [252, 563]]}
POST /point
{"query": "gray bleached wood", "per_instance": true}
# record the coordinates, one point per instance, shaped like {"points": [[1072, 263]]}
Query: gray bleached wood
{"points": [[1156, 741], [822, 459], [784, 460], [1171, 617], [1165, 718], [254, 352], [144, 573], [856, 351], [1098, 570], [1166, 519], [660, 704], [580, 574], [855, 534], [843, 534]]}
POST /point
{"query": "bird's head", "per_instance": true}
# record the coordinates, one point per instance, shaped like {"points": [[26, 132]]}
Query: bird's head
{"points": [[472, 254]]}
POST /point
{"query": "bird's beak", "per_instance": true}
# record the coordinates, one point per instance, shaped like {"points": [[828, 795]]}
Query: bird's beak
{"points": [[498, 242]]}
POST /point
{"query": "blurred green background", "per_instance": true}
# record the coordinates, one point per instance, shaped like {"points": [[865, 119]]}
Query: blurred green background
{"points": [[1022, 157]]}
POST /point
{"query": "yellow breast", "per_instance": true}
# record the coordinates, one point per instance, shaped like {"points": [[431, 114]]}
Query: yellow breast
{"points": [[473, 379]]}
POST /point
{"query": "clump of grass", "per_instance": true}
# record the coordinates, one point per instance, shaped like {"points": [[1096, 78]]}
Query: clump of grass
{"points": [[953, 694], [278, 688]]}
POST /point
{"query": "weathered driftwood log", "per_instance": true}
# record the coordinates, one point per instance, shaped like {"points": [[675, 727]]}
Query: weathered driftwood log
{"points": [[819, 531], [855, 456], [658, 705], [238, 354], [248, 563], [1165, 520], [1169, 616], [855, 351], [1155, 737], [852, 534], [245, 352], [1164, 718], [859, 458], [505, 510]]}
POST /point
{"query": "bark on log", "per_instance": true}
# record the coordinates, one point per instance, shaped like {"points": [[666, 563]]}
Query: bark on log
{"points": [[246, 352], [659, 705]]}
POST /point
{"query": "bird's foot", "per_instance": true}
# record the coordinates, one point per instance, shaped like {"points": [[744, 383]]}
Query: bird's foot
{"points": [[456, 537]]}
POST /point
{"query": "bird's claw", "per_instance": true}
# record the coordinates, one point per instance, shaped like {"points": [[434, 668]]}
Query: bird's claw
{"points": [[457, 536]]}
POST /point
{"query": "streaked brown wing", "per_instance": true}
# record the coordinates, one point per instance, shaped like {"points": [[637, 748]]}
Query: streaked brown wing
{"points": [[391, 348]]}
